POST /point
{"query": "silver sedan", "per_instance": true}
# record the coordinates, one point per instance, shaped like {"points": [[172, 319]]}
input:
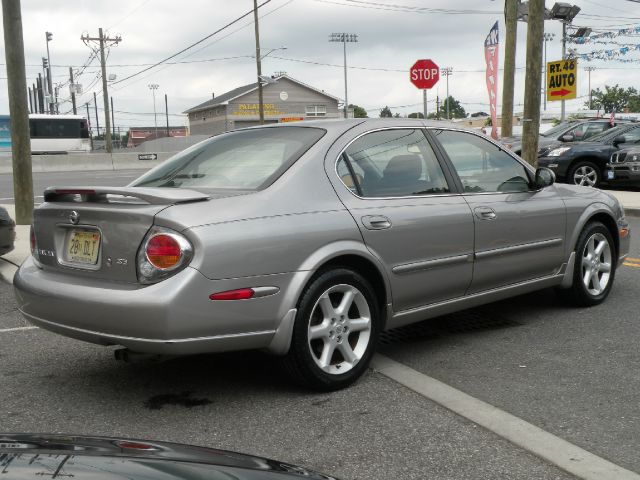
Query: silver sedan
{"points": [[307, 240]]}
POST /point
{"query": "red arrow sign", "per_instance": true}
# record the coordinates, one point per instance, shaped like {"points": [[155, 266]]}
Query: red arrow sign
{"points": [[559, 93]]}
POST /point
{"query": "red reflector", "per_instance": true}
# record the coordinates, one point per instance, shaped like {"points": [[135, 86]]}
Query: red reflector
{"points": [[240, 294], [77, 191], [135, 445], [163, 251]]}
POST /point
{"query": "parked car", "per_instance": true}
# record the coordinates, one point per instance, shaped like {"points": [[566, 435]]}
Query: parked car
{"points": [[583, 163], [104, 458], [307, 240], [565, 132], [624, 167], [7, 232]]}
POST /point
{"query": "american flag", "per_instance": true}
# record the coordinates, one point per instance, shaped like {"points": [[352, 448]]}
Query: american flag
{"points": [[612, 118]]}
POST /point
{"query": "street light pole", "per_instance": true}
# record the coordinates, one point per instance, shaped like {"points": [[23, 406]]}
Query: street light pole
{"points": [[447, 71], [589, 70], [344, 38], [153, 87], [547, 38], [49, 37]]}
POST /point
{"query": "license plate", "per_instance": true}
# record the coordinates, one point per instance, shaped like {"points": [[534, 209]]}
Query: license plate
{"points": [[82, 246], [610, 174]]}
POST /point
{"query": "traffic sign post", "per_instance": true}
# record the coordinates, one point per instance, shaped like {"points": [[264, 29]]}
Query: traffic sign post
{"points": [[424, 74], [562, 80]]}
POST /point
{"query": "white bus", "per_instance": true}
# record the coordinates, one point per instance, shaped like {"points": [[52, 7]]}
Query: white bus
{"points": [[59, 133]]}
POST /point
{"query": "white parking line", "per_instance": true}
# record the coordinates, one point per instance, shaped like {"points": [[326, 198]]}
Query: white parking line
{"points": [[555, 450], [16, 329]]}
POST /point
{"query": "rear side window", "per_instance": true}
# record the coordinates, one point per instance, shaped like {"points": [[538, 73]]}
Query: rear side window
{"points": [[481, 165], [392, 163], [243, 160]]}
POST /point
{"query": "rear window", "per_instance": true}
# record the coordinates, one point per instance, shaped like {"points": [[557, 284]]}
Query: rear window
{"points": [[243, 160]]}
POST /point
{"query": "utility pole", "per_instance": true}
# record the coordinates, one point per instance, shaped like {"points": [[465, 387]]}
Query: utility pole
{"points": [[531, 117], [30, 100], [564, 54], [166, 112], [49, 37], [102, 40], [113, 122], [511, 26], [447, 71], [40, 93], [95, 106], [344, 38], [258, 62], [89, 125], [72, 87], [589, 70], [17, 87]]}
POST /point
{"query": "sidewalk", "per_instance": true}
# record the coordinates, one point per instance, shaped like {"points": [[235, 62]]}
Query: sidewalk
{"points": [[630, 201]]}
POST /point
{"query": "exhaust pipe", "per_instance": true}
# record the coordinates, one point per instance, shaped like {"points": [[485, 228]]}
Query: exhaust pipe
{"points": [[127, 356]]}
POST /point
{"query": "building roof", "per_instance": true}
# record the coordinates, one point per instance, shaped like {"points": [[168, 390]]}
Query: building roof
{"points": [[238, 92]]}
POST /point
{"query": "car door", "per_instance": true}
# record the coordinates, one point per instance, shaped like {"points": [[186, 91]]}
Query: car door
{"points": [[409, 214], [519, 231]]}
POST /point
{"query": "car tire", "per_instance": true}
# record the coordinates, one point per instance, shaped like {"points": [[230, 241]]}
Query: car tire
{"points": [[586, 174], [594, 267], [335, 331]]}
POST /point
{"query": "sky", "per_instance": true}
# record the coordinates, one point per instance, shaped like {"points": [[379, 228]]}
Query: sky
{"points": [[392, 35]]}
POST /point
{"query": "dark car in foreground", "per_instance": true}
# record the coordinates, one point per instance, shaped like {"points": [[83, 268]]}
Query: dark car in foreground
{"points": [[27, 456], [583, 163], [576, 131], [624, 167], [7, 232], [307, 240]]}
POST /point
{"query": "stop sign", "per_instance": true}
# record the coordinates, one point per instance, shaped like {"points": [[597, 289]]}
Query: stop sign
{"points": [[424, 74]]}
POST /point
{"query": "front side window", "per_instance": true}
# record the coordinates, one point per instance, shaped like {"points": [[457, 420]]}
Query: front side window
{"points": [[243, 160], [392, 163], [481, 165]]}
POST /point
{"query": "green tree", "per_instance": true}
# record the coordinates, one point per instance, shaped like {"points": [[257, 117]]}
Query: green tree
{"points": [[416, 115], [386, 112], [614, 98], [455, 109], [358, 112], [396, 115]]}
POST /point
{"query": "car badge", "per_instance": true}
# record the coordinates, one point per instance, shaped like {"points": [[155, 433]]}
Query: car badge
{"points": [[74, 217]]}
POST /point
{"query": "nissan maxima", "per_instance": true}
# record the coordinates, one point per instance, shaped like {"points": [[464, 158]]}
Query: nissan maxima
{"points": [[308, 240]]}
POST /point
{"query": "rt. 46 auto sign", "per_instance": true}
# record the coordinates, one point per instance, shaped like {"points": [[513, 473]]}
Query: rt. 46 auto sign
{"points": [[562, 80]]}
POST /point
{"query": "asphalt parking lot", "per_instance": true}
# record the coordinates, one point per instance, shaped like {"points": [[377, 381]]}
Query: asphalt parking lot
{"points": [[571, 372]]}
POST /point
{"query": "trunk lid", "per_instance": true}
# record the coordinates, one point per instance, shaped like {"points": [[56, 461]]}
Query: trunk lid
{"points": [[97, 231]]}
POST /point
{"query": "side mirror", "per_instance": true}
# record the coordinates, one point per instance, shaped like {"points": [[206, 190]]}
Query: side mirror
{"points": [[544, 178], [619, 140], [568, 138]]}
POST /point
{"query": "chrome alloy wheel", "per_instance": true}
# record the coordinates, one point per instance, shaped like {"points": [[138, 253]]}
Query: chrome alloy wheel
{"points": [[586, 176], [339, 329], [596, 264]]}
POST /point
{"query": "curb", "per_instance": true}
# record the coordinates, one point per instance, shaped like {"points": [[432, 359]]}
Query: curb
{"points": [[632, 212]]}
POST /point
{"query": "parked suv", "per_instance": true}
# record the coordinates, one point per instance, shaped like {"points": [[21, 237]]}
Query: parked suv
{"points": [[566, 132], [583, 163], [624, 167]]}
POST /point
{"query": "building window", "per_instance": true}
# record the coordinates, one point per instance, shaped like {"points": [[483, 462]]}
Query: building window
{"points": [[316, 110]]}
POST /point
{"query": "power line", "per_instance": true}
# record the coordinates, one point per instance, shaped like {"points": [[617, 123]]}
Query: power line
{"points": [[250, 12]]}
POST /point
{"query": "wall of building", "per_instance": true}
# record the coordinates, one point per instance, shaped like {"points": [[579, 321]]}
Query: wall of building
{"points": [[208, 122]]}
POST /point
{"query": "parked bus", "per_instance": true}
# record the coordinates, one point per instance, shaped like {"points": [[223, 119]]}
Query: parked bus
{"points": [[51, 133]]}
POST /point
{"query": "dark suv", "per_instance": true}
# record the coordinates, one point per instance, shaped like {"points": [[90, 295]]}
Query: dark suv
{"points": [[576, 131], [583, 163]]}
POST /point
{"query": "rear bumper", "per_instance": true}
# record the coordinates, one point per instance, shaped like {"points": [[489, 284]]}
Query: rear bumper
{"points": [[174, 317]]}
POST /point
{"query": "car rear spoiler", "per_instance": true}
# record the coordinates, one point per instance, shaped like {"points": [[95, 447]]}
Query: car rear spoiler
{"points": [[151, 196]]}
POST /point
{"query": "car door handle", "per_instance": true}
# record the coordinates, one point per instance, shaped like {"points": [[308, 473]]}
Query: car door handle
{"points": [[376, 222], [485, 213]]}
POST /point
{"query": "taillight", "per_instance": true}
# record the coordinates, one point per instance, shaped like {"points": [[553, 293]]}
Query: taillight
{"points": [[240, 294], [32, 240], [164, 252]]}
